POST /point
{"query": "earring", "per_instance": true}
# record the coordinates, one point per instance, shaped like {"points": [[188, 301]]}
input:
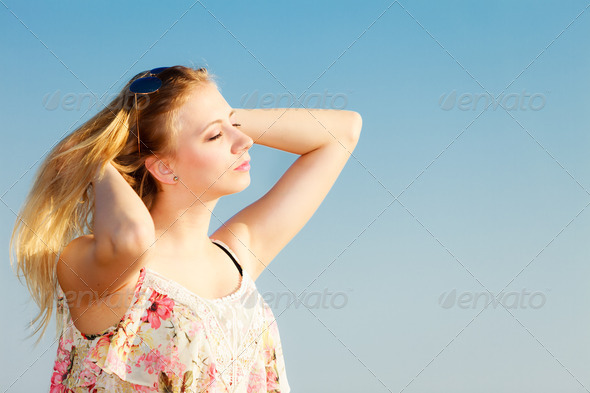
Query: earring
{"points": [[175, 178]]}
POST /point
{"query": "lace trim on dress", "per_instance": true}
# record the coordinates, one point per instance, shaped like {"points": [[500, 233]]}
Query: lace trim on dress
{"points": [[186, 294], [234, 355]]}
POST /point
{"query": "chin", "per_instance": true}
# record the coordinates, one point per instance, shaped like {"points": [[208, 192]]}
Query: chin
{"points": [[236, 186], [242, 185]]}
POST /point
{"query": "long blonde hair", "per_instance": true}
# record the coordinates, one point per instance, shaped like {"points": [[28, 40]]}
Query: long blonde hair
{"points": [[60, 203]]}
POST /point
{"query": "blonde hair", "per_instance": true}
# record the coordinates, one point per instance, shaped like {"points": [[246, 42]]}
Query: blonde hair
{"points": [[60, 203]]}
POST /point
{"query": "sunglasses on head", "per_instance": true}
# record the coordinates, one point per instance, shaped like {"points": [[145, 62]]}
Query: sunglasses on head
{"points": [[145, 85]]}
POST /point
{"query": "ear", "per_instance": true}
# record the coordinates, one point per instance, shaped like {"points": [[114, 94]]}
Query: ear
{"points": [[160, 169]]}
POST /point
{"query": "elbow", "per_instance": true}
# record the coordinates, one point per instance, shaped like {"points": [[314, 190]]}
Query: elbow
{"points": [[134, 240], [356, 124]]}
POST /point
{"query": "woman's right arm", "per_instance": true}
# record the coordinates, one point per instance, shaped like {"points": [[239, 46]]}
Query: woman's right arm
{"points": [[121, 219], [123, 233]]}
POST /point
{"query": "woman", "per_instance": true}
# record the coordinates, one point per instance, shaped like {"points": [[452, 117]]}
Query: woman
{"points": [[146, 300]]}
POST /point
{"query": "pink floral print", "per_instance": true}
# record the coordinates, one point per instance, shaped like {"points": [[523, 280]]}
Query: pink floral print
{"points": [[161, 308], [160, 345]]}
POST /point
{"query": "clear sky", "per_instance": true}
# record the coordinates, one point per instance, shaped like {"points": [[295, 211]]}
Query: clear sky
{"points": [[488, 199]]}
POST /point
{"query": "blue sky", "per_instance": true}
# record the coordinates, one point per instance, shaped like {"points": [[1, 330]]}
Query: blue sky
{"points": [[442, 200]]}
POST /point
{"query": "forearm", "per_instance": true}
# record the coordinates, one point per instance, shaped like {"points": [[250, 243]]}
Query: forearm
{"points": [[299, 130], [119, 213]]}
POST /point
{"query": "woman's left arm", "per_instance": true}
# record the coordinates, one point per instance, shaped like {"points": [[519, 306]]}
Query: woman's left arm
{"points": [[299, 130], [324, 139]]}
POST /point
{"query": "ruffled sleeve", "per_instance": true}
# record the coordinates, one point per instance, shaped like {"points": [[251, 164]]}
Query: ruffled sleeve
{"points": [[144, 348], [119, 352], [141, 352]]}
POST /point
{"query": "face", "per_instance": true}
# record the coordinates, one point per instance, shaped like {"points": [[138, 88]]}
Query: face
{"points": [[210, 147]]}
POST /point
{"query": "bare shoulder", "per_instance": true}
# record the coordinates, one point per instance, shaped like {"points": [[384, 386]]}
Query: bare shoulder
{"points": [[79, 270], [237, 238], [85, 283], [75, 253]]}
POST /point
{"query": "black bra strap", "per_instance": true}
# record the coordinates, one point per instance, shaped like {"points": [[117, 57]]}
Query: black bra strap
{"points": [[232, 258]]}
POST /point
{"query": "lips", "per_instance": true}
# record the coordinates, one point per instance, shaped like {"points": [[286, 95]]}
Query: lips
{"points": [[243, 165]]}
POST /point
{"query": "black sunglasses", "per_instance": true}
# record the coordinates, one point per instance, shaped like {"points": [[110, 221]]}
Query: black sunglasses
{"points": [[145, 85]]}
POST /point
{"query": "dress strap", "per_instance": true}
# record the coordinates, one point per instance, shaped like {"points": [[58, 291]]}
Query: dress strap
{"points": [[231, 256]]}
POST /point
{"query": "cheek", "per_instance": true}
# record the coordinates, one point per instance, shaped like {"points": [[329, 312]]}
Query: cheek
{"points": [[203, 164]]}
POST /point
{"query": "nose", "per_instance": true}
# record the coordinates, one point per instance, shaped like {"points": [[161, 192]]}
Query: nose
{"points": [[244, 142]]}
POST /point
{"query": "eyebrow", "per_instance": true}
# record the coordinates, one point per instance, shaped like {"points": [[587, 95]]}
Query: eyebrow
{"points": [[217, 121]]}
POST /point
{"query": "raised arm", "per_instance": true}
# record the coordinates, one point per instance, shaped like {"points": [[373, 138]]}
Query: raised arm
{"points": [[324, 139], [121, 217], [123, 231], [300, 130]]}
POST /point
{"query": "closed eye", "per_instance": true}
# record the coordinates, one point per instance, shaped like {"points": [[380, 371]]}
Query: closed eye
{"points": [[221, 133], [216, 136]]}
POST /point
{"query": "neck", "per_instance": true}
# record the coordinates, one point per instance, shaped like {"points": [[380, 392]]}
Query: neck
{"points": [[182, 226]]}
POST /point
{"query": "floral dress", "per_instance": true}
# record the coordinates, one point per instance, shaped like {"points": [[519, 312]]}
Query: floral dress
{"points": [[172, 340]]}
